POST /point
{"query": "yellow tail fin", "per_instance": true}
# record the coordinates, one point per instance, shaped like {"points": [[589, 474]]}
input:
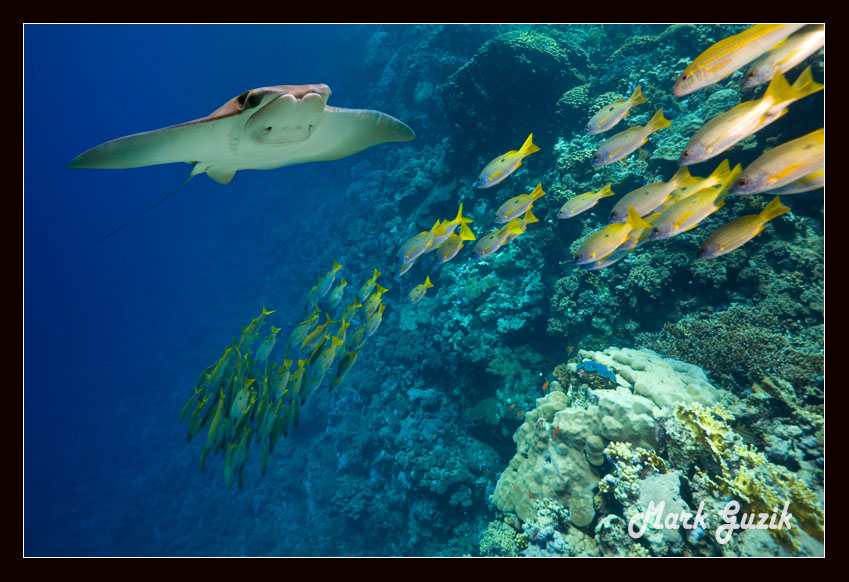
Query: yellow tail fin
{"points": [[529, 218], [427, 282], [637, 97], [774, 209], [658, 121], [606, 192], [634, 219], [466, 233], [720, 172], [805, 83], [537, 193], [528, 147]]}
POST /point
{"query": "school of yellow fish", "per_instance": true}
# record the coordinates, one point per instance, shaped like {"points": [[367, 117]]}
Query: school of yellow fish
{"points": [[246, 397], [664, 209]]}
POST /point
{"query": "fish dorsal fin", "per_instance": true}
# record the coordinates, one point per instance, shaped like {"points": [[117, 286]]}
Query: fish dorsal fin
{"points": [[221, 176]]}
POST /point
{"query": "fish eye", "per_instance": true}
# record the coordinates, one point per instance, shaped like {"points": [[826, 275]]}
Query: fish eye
{"points": [[595, 157], [685, 155], [684, 77], [656, 229], [503, 159], [611, 109], [751, 74], [253, 100], [742, 182], [588, 126]]}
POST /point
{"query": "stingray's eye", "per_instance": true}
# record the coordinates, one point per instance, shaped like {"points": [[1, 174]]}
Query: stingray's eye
{"points": [[253, 100], [240, 100]]}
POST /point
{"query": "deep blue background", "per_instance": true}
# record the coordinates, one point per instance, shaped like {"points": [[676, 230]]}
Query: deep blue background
{"points": [[116, 334]]}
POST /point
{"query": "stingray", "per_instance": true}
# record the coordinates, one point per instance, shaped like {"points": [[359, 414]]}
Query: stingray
{"points": [[261, 129]]}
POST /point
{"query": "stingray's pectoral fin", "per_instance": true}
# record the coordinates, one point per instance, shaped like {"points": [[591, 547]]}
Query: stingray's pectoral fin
{"points": [[178, 143], [344, 132]]}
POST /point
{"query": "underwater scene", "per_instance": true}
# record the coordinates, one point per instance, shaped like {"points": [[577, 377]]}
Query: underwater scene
{"points": [[443, 290]]}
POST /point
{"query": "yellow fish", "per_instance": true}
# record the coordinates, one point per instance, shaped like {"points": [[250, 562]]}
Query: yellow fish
{"points": [[449, 226], [402, 268], [449, 249], [609, 115], [729, 54], [517, 206], [736, 233], [302, 329], [413, 248], [374, 321], [783, 164], [813, 181], [610, 259], [604, 242], [726, 129], [496, 239], [344, 365], [267, 344], [583, 202], [626, 142], [651, 196], [365, 289], [373, 301], [419, 291], [351, 310], [522, 223], [357, 339], [326, 282], [718, 176], [689, 212], [315, 336], [336, 295], [798, 47], [504, 165]]}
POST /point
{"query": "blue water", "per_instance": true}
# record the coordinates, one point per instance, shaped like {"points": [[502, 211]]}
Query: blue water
{"points": [[116, 334]]}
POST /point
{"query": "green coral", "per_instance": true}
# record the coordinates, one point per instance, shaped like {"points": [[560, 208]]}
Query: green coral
{"points": [[746, 474], [499, 539]]}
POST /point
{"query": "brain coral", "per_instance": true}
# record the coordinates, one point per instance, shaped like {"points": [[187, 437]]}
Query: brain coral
{"points": [[559, 444]]}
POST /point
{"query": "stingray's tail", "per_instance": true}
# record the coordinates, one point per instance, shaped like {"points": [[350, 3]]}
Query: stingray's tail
{"points": [[132, 220]]}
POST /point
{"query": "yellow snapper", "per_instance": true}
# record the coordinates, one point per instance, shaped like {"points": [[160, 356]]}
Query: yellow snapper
{"points": [[604, 242], [336, 294], [326, 282], [718, 176], [365, 289], [419, 291], [798, 46], [373, 301], [413, 248], [504, 165], [302, 329], [449, 226], [729, 54], [582, 202], [496, 239], [349, 312], [639, 236], [374, 321], [449, 249], [626, 142], [357, 339], [344, 365], [813, 181], [736, 233], [296, 380], [610, 259], [249, 330], [267, 344], [783, 164], [516, 206], [651, 196], [322, 363], [522, 223], [402, 268], [689, 212], [609, 115], [315, 336], [281, 380], [726, 129]]}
